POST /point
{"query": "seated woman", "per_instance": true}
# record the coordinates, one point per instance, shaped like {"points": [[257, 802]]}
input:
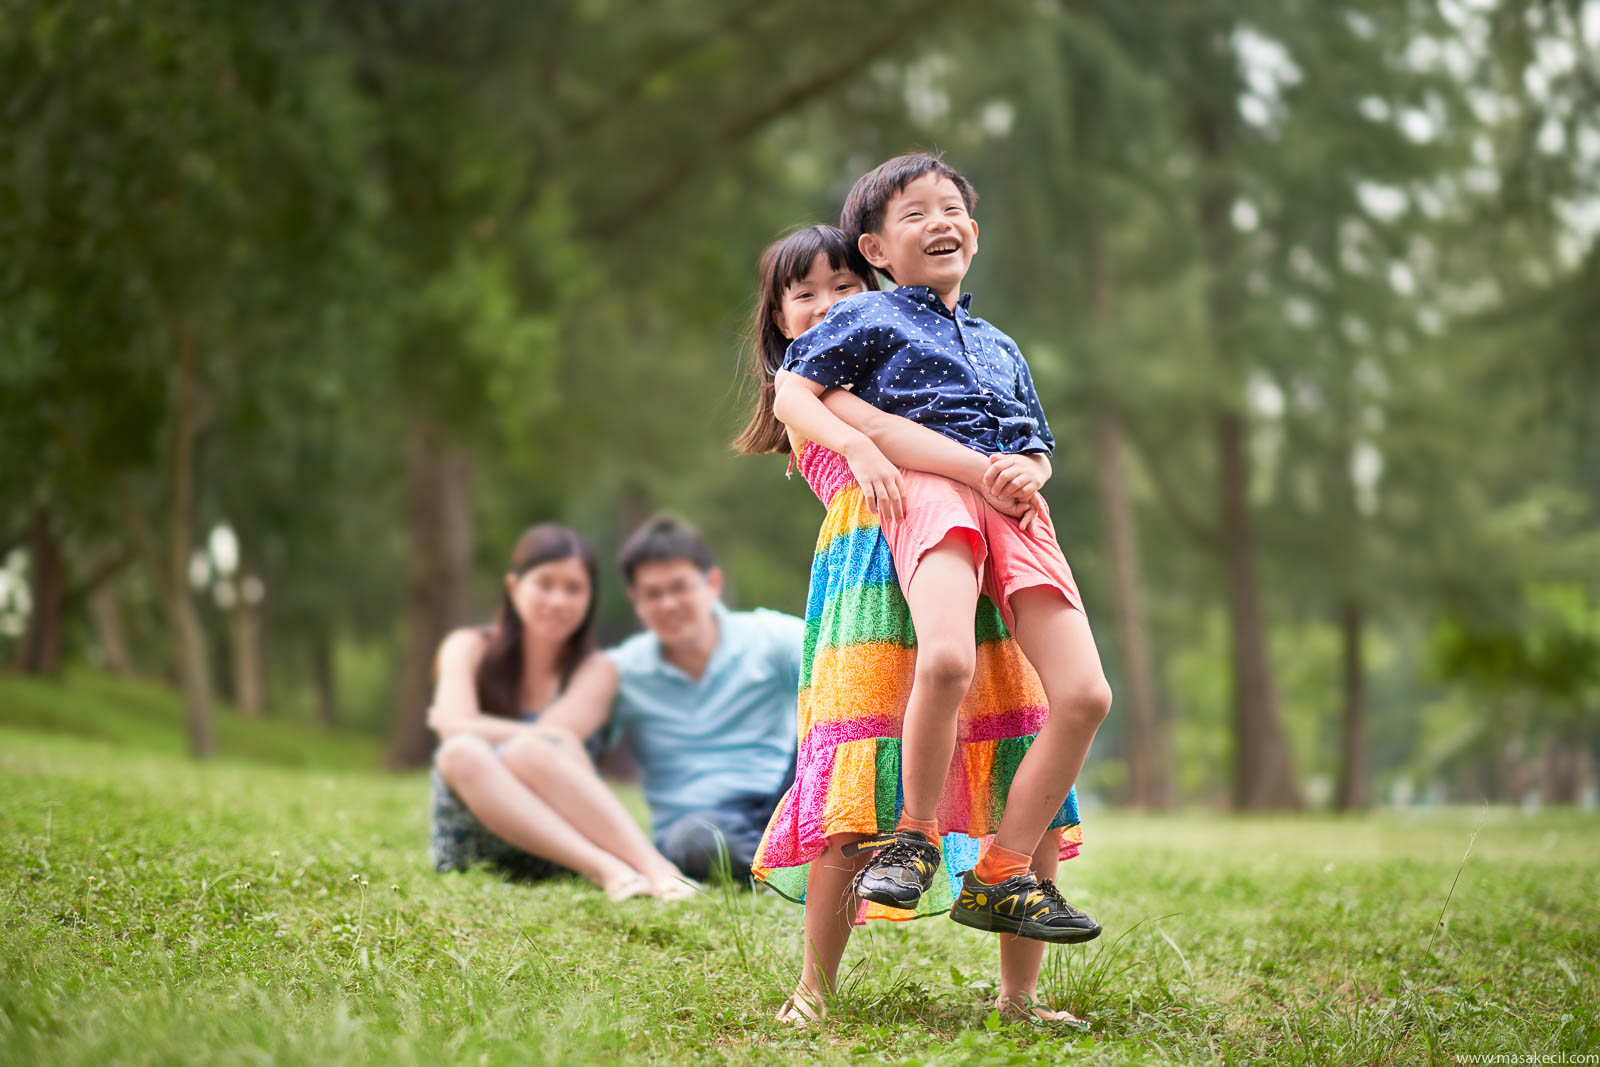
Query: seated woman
{"points": [[510, 788]]}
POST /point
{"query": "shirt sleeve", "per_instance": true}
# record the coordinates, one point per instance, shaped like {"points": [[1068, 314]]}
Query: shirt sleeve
{"points": [[1030, 397], [787, 635], [840, 351]]}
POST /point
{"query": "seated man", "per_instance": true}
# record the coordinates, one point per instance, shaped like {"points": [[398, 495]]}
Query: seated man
{"points": [[705, 698]]}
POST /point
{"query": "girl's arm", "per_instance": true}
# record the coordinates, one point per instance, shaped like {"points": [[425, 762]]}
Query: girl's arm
{"points": [[798, 405], [455, 694], [916, 447]]}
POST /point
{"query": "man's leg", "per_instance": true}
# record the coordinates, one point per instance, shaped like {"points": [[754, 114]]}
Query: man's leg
{"points": [[698, 841]]}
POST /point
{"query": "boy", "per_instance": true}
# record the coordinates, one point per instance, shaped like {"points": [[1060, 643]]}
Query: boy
{"points": [[917, 351]]}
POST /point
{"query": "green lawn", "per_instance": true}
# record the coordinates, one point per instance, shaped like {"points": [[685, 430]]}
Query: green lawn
{"points": [[152, 910]]}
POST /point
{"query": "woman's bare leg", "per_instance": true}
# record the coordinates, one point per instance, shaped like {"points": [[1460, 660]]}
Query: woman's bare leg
{"points": [[513, 813], [554, 765]]}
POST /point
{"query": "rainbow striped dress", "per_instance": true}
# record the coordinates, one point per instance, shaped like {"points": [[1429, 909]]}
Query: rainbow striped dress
{"points": [[855, 676]]}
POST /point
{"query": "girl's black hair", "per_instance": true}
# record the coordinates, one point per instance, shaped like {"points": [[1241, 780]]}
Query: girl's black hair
{"points": [[499, 677], [786, 261]]}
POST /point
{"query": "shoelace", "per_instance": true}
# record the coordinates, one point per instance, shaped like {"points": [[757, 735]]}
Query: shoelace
{"points": [[1052, 894], [897, 851]]}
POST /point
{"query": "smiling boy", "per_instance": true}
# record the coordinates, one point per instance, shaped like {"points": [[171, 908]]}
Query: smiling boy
{"points": [[918, 351]]}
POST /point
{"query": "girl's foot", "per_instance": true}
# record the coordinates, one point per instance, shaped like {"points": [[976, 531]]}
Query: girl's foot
{"points": [[628, 886], [801, 1010], [672, 890], [1022, 1006]]}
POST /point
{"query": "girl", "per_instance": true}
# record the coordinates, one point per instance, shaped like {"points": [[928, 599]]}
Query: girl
{"points": [[516, 793], [860, 659]]}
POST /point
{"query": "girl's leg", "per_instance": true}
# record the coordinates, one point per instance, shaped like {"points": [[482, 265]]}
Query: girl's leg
{"points": [[942, 598], [512, 812], [1056, 639], [830, 915], [1020, 957], [553, 764]]}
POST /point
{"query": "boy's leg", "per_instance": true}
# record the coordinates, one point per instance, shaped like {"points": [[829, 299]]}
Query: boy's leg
{"points": [[1056, 639], [943, 598]]}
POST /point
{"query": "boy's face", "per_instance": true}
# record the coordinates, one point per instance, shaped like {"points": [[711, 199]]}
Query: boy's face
{"points": [[807, 300], [927, 237]]}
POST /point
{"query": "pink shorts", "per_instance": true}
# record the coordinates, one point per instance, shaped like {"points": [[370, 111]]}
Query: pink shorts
{"points": [[1008, 558]]}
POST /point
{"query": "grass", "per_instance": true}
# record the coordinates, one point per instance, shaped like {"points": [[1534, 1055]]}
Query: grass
{"points": [[145, 715], [157, 911]]}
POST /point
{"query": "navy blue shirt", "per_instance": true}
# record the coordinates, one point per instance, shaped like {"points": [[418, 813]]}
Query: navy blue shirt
{"points": [[904, 352]]}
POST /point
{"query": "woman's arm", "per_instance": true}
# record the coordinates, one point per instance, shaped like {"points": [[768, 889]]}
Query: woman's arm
{"points": [[584, 705], [455, 695]]}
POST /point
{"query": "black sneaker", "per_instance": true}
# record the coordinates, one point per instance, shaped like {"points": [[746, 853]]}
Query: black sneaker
{"points": [[1024, 906], [900, 871]]}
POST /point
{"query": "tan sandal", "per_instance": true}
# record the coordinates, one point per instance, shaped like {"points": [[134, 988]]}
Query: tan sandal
{"points": [[1034, 1011], [800, 1011]]}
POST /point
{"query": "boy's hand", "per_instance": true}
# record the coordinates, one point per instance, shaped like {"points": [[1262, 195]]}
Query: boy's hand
{"points": [[1011, 475], [1021, 510], [879, 479]]}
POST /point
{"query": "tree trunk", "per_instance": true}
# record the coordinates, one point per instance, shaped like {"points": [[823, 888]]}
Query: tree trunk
{"points": [[193, 675], [1563, 768], [47, 580], [248, 690], [105, 613], [1263, 768], [1140, 743], [439, 520], [324, 680], [1352, 794], [1264, 776]]}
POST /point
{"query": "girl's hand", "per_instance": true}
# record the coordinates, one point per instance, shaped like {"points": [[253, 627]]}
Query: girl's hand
{"points": [[879, 479], [1013, 476]]}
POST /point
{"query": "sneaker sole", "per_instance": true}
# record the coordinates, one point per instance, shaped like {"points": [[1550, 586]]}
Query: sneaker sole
{"points": [[887, 901], [989, 922]]}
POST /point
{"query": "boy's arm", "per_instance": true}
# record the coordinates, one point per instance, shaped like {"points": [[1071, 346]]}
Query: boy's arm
{"points": [[798, 405], [915, 447]]}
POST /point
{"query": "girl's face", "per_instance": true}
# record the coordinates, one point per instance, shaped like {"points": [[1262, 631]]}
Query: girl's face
{"points": [[552, 598], [807, 300]]}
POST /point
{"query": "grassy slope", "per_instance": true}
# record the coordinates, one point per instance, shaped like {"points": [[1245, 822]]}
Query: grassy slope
{"points": [[156, 911], [145, 715]]}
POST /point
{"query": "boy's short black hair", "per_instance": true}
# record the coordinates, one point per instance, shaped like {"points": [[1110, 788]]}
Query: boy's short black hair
{"points": [[863, 208], [662, 539]]}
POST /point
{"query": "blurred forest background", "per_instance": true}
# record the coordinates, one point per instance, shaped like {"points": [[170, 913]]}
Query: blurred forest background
{"points": [[307, 309]]}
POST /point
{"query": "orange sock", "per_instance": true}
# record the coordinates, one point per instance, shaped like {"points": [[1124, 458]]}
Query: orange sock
{"points": [[929, 827], [997, 864]]}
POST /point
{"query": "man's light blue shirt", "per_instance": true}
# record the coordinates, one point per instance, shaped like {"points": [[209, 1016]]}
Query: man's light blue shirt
{"points": [[702, 743]]}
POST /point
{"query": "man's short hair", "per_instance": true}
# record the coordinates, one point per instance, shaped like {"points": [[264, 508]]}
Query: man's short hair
{"points": [[863, 208], [662, 539]]}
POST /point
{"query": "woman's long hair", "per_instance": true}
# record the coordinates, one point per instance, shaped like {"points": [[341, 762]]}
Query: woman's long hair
{"points": [[786, 261], [499, 678]]}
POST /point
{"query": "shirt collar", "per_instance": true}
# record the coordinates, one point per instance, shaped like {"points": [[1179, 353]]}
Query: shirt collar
{"points": [[924, 295], [663, 666]]}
